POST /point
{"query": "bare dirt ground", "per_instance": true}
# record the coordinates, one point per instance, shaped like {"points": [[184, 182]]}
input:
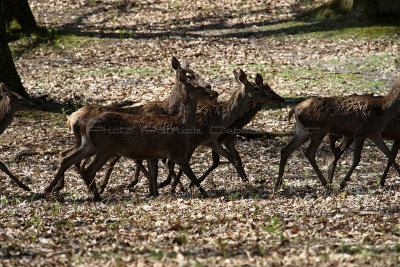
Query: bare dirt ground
{"points": [[106, 52]]}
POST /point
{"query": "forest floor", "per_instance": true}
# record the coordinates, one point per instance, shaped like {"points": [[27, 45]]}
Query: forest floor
{"points": [[107, 52]]}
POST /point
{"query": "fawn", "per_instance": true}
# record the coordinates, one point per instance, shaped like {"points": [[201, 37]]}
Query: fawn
{"points": [[139, 137], [214, 120], [169, 106], [361, 117], [391, 132]]}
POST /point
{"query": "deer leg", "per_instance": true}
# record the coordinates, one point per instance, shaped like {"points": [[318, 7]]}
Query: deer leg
{"points": [[153, 167], [332, 138], [237, 160], [170, 164], [107, 175], [233, 158], [294, 144], [189, 173], [215, 164], [136, 175], [336, 153], [67, 162], [177, 181], [139, 168], [61, 183], [174, 177], [80, 166], [15, 179], [378, 141], [316, 140], [358, 146], [395, 150], [142, 168], [135, 179], [217, 147], [88, 174]]}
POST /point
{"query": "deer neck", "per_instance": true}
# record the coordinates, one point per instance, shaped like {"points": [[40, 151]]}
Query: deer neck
{"points": [[6, 113], [234, 107], [247, 116], [173, 102], [392, 101], [187, 114]]}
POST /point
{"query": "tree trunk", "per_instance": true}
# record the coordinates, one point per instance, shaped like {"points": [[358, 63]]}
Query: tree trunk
{"points": [[18, 15], [8, 72], [365, 10]]}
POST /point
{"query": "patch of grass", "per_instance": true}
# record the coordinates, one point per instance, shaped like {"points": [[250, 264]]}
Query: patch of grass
{"points": [[141, 70], [157, 255], [274, 226], [332, 29], [71, 40], [348, 249]]}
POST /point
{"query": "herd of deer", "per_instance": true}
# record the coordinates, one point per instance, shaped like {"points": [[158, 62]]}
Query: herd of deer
{"points": [[172, 129]]}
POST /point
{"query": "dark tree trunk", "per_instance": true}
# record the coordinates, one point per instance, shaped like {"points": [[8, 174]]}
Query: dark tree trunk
{"points": [[365, 10], [8, 72], [18, 15]]}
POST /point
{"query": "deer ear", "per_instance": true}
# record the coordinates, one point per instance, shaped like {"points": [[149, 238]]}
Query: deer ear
{"points": [[4, 91], [397, 64], [181, 76], [242, 76], [236, 74], [186, 64], [259, 79], [175, 63]]}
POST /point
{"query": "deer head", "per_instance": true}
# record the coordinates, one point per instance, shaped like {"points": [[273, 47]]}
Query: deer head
{"points": [[190, 74], [194, 91], [258, 92], [263, 92]]}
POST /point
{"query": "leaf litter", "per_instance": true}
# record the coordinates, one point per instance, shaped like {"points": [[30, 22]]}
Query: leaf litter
{"points": [[120, 51]]}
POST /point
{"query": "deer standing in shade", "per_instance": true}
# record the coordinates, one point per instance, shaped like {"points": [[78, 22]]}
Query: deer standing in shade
{"points": [[169, 106], [139, 137], [266, 96], [360, 117], [10, 103], [214, 120]]}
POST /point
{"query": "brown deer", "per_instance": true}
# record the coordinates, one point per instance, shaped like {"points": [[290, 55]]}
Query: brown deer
{"points": [[169, 106], [391, 132], [10, 103], [361, 117], [228, 140], [139, 137], [216, 120]]}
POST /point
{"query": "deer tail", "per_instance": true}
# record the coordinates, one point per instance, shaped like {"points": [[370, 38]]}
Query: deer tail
{"points": [[291, 111], [69, 124]]}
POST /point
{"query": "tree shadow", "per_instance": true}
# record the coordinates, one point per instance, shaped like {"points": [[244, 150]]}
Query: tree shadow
{"points": [[198, 27], [49, 105], [186, 28]]}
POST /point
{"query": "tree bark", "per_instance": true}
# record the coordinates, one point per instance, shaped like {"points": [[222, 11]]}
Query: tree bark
{"points": [[365, 10], [18, 15], [8, 72]]}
